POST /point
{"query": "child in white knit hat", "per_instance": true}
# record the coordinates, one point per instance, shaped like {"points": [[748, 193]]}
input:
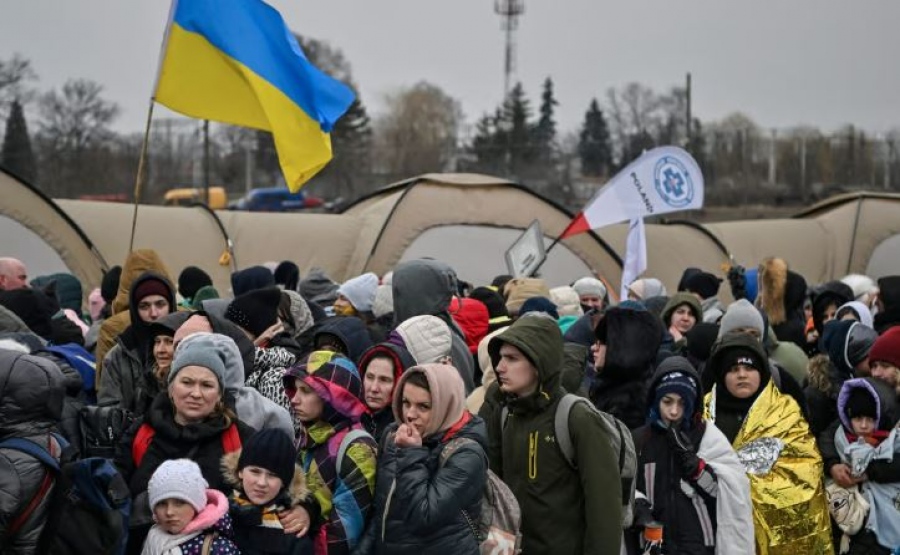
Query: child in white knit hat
{"points": [[189, 517]]}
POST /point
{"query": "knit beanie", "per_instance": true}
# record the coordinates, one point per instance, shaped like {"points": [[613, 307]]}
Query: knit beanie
{"points": [[676, 378], [384, 301], [151, 286], [255, 311], [539, 304], [860, 402], [519, 290], [741, 314], [742, 356], [646, 288], [178, 479], [205, 293], [589, 286], [499, 316], [68, 290], [248, 279], [704, 284], [272, 450], [190, 280], [199, 349], [687, 274], [287, 275], [567, 301], [109, 287], [887, 348], [700, 340], [360, 291], [317, 287]]}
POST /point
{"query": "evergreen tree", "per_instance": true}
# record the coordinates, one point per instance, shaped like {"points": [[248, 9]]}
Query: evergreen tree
{"points": [[545, 130], [594, 148], [17, 156], [517, 116]]}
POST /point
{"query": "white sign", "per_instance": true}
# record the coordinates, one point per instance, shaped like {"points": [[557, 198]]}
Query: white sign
{"points": [[527, 253]]}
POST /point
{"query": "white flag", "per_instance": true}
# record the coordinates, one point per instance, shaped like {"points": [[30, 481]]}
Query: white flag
{"points": [[662, 180], [635, 255]]}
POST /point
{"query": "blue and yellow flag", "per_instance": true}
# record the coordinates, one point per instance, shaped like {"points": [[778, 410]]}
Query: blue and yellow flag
{"points": [[235, 61]]}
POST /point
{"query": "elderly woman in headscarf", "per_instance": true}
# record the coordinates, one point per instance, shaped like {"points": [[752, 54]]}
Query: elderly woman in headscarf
{"points": [[773, 442]]}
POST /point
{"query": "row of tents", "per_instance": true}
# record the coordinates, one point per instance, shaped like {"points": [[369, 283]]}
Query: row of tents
{"points": [[466, 220]]}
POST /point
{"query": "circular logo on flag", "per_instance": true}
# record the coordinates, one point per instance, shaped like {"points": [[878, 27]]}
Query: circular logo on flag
{"points": [[673, 182]]}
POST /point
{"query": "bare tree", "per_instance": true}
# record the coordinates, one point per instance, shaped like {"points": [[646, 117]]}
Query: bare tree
{"points": [[15, 74], [418, 132], [74, 137]]}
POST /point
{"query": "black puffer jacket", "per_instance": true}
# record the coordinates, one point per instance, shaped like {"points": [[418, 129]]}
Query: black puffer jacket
{"points": [[419, 503], [632, 339], [31, 403], [201, 443]]}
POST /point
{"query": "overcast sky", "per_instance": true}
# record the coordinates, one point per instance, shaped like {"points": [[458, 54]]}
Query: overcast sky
{"points": [[816, 62]]}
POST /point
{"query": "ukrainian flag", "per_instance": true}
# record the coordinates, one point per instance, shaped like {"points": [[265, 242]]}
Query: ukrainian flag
{"points": [[235, 61]]}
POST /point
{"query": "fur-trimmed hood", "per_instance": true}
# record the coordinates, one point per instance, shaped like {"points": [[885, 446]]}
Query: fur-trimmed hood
{"points": [[820, 371], [297, 489], [781, 291]]}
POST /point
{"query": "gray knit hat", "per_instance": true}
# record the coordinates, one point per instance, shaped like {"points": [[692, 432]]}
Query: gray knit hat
{"points": [[589, 286], [178, 479], [201, 349], [741, 314]]}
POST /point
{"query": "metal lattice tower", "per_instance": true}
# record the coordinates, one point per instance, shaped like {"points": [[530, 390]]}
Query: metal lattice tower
{"points": [[509, 10]]}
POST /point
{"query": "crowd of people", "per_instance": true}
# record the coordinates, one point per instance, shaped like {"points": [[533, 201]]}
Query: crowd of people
{"points": [[416, 413]]}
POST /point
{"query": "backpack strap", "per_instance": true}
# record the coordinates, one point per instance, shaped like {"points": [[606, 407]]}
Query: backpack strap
{"points": [[208, 542], [348, 438], [561, 426], [43, 455], [141, 443], [231, 439], [452, 446]]}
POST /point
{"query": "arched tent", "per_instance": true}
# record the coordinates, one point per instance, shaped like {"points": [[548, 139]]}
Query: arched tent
{"points": [[467, 220], [41, 234]]}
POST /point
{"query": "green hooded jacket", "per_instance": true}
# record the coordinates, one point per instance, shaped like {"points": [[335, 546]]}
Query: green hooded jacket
{"points": [[563, 510]]}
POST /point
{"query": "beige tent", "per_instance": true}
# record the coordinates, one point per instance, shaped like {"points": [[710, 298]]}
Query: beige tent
{"points": [[465, 219]]}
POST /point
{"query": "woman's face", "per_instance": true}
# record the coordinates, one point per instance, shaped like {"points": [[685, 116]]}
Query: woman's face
{"points": [[195, 392], [378, 383], [886, 372], [742, 381], [307, 404], [683, 319], [163, 351], [416, 407]]}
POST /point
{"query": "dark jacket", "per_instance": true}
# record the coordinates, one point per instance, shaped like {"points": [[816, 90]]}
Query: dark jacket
{"points": [[201, 443], [31, 404], [425, 287], [682, 528], [632, 339], [420, 503], [889, 294], [564, 510]]}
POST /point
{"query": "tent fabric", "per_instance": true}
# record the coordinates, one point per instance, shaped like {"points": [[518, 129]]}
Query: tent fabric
{"points": [[827, 241]]}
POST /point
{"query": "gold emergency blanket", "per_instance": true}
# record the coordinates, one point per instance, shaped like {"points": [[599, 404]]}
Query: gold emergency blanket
{"points": [[790, 510]]}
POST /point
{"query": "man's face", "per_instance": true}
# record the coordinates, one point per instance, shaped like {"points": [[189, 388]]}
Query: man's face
{"points": [[515, 373], [152, 307], [15, 276]]}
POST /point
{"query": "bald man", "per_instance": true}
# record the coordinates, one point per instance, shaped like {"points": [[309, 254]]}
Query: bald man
{"points": [[12, 274]]}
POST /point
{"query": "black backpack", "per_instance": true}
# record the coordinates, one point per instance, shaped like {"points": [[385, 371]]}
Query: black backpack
{"points": [[90, 505], [101, 429]]}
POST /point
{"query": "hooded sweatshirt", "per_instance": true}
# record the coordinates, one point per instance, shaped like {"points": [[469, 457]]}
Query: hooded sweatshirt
{"points": [[564, 510], [632, 339], [137, 263], [426, 287]]}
